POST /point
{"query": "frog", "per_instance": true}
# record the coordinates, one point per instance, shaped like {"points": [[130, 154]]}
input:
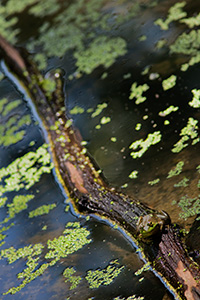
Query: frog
{"points": [[152, 224]]}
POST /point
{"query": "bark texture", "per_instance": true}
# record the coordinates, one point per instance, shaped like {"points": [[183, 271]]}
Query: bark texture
{"points": [[86, 187]]}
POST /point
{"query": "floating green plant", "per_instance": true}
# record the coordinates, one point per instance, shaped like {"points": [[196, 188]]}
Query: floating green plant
{"points": [[182, 183], [99, 109], [192, 22], [42, 210], [18, 204], [137, 92], [176, 170], [169, 83], [143, 145], [190, 207], [105, 276], [71, 278], [188, 43], [133, 174], [74, 237], [145, 267], [25, 171], [175, 13], [196, 99], [187, 133], [12, 123], [102, 51], [168, 111], [133, 297], [76, 110], [138, 126], [153, 182]]}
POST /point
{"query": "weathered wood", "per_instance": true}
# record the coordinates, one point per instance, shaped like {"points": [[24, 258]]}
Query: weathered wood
{"points": [[86, 187]]}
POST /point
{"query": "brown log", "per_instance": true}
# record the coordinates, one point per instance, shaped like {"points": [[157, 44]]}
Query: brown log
{"points": [[86, 187]]}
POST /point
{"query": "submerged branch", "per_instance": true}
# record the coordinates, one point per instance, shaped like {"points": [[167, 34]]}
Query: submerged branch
{"points": [[91, 194]]}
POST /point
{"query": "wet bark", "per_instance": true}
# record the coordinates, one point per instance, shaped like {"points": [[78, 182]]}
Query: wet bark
{"points": [[87, 188]]}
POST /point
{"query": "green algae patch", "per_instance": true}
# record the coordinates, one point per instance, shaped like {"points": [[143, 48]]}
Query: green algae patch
{"points": [[168, 111], [69, 275], [192, 22], [188, 133], [155, 181], [138, 126], [133, 297], [25, 171], [105, 276], [175, 13], [74, 238], [137, 92], [12, 123], [42, 210], [169, 83], [190, 207], [99, 109], [196, 99], [188, 44], [182, 183], [18, 204], [144, 268], [102, 51], [76, 110], [133, 175], [176, 170], [143, 145], [105, 120]]}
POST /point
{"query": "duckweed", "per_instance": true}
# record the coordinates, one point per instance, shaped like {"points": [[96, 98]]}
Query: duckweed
{"points": [[153, 182], [74, 238], [145, 267], [113, 139], [105, 120], [25, 171], [137, 91], [18, 204], [152, 139], [196, 99], [175, 13], [69, 277], [133, 174], [192, 22], [42, 210], [177, 170], [168, 110], [169, 82], [133, 297], [76, 110], [189, 132], [188, 43], [99, 109], [190, 207], [182, 183], [102, 51], [11, 128], [105, 276]]}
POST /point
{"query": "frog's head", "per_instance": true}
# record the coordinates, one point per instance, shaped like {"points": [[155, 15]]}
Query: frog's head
{"points": [[150, 225]]}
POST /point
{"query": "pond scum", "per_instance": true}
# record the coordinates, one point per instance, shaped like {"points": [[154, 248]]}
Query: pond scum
{"points": [[71, 32]]}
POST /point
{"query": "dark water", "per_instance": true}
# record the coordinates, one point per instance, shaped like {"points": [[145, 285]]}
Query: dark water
{"points": [[108, 243]]}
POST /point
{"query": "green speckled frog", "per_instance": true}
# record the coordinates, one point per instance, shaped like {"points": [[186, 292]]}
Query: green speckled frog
{"points": [[151, 224]]}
